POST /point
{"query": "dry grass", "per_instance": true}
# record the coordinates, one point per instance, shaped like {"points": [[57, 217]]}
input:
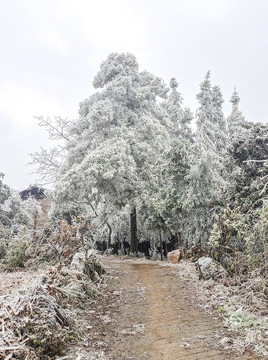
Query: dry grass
{"points": [[37, 315]]}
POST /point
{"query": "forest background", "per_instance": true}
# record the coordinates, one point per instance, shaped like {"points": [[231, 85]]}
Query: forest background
{"points": [[134, 170]]}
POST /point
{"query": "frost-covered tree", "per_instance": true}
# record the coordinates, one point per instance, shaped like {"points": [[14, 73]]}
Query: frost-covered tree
{"points": [[131, 158], [238, 128], [185, 125], [173, 194], [172, 108], [4, 190], [240, 134], [162, 210], [242, 224], [219, 122], [205, 178], [248, 160], [5, 193], [118, 140], [177, 119], [165, 202]]}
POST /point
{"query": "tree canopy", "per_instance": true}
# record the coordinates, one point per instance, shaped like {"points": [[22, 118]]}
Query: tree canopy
{"points": [[133, 151]]}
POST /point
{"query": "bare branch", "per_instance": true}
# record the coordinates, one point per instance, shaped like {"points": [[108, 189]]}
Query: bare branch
{"points": [[48, 163], [57, 127], [257, 161]]}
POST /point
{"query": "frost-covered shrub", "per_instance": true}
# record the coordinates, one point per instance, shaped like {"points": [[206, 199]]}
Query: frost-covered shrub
{"points": [[239, 239], [17, 227], [67, 239], [4, 240], [20, 214], [16, 252]]}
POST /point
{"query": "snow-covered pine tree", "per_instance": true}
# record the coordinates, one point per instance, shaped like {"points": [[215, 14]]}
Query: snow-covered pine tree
{"points": [[205, 178], [173, 194], [118, 141], [172, 109], [170, 195], [177, 119], [238, 128], [185, 125], [165, 206], [239, 134], [219, 122]]}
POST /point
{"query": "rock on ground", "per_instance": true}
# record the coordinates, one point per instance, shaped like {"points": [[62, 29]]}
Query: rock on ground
{"points": [[209, 269], [175, 256]]}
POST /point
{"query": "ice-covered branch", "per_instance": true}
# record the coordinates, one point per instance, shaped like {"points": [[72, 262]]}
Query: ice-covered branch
{"points": [[57, 128]]}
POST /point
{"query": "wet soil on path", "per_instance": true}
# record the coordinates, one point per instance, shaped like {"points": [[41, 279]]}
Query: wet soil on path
{"points": [[149, 312]]}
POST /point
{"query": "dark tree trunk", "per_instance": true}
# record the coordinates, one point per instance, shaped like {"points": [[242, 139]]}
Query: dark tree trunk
{"points": [[109, 236], [166, 250], [161, 245], [179, 240], [133, 232]]}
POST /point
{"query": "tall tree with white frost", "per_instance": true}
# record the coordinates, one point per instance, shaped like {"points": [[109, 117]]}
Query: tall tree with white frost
{"points": [[118, 140], [205, 176], [239, 133], [177, 119], [169, 196], [238, 128], [219, 122]]}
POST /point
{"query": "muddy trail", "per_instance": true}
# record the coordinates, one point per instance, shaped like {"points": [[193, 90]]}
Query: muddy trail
{"points": [[149, 312]]}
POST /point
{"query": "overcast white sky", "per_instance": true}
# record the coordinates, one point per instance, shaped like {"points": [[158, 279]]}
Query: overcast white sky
{"points": [[51, 50]]}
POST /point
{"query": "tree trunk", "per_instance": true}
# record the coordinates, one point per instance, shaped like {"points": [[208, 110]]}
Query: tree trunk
{"points": [[109, 236], [161, 245], [179, 240], [133, 232]]}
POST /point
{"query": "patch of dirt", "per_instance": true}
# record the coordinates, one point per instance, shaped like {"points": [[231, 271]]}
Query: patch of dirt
{"points": [[149, 312]]}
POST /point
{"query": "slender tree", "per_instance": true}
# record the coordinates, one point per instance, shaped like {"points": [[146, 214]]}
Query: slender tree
{"points": [[165, 206], [219, 122], [205, 176], [238, 127]]}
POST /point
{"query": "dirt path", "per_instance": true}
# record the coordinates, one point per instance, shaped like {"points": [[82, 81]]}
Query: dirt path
{"points": [[148, 312]]}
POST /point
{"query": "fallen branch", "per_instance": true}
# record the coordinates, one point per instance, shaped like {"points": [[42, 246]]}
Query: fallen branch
{"points": [[10, 348]]}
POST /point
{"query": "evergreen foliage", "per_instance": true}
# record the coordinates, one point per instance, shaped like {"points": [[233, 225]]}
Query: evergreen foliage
{"points": [[205, 178], [115, 153], [132, 161], [238, 128]]}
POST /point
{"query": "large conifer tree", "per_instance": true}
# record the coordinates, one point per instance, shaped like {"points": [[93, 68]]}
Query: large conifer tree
{"points": [[118, 140]]}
